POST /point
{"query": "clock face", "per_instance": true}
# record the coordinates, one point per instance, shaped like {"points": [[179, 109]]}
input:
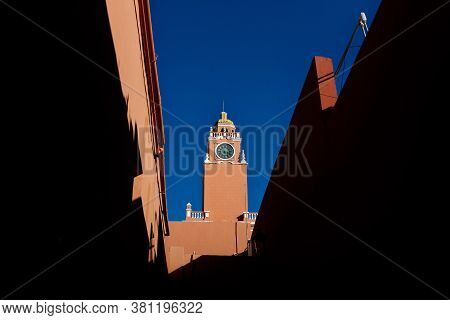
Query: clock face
{"points": [[225, 151]]}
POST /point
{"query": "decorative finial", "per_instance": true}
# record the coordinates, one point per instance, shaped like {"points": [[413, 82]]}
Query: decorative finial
{"points": [[243, 157], [223, 105], [207, 158], [188, 210], [224, 117]]}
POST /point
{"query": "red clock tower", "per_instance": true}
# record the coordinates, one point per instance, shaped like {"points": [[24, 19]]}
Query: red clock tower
{"points": [[225, 173], [224, 226]]}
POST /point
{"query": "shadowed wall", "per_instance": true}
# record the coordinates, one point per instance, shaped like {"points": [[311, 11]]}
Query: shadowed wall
{"points": [[75, 153], [376, 159]]}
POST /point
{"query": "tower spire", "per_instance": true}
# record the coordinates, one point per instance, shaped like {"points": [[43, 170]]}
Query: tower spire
{"points": [[223, 105], [243, 157]]}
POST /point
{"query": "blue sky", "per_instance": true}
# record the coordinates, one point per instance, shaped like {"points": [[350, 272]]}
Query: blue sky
{"points": [[252, 54]]}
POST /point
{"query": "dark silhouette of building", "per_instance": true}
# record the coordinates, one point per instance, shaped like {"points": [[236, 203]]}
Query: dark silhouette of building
{"points": [[370, 221], [84, 168]]}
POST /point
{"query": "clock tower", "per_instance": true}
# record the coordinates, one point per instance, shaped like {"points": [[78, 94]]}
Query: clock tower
{"points": [[225, 173], [224, 226]]}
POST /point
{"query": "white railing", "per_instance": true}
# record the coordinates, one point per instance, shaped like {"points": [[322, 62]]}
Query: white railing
{"points": [[197, 215], [250, 215], [219, 135]]}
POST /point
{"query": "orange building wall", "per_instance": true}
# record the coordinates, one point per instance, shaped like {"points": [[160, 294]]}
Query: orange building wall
{"points": [[133, 42], [225, 190], [190, 240], [326, 81]]}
